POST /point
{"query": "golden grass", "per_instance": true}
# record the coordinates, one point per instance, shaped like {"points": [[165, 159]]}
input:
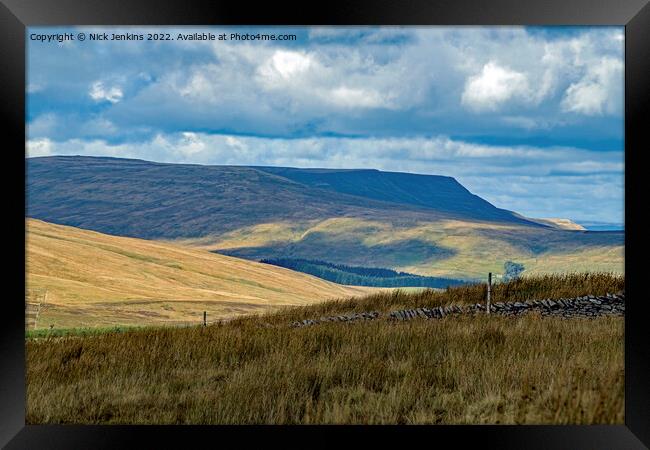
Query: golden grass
{"points": [[538, 287], [94, 279], [456, 370], [257, 370], [251, 236]]}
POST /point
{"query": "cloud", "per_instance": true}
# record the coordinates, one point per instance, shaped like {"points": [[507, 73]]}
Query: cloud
{"points": [[43, 125], [285, 64], [592, 95], [387, 81], [494, 86], [39, 147], [356, 98], [319, 79], [99, 92]]}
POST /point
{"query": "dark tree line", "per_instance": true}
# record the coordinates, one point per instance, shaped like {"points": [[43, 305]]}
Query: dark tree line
{"points": [[361, 276]]}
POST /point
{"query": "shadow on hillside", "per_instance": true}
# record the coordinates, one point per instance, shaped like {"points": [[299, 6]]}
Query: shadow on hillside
{"points": [[350, 251]]}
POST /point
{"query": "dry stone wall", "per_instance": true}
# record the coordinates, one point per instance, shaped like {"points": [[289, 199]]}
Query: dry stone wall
{"points": [[586, 306]]}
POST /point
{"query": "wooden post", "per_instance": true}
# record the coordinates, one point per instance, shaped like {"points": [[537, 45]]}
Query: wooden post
{"points": [[205, 318], [489, 291]]}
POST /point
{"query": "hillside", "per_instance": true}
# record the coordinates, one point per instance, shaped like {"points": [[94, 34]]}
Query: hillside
{"points": [[85, 278], [562, 224], [153, 200], [421, 224], [442, 248], [439, 193]]}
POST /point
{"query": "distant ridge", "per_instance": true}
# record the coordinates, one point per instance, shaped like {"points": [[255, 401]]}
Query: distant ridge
{"points": [[436, 192], [157, 200]]}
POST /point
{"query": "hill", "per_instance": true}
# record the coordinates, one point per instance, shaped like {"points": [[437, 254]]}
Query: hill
{"points": [[85, 278], [433, 192], [562, 224], [447, 248], [153, 200], [422, 224]]}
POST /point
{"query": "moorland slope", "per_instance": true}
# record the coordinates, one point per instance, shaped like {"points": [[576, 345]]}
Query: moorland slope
{"points": [[84, 278]]}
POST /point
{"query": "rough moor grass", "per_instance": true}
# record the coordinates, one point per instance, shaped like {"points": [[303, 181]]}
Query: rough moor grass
{"points": [[457, 370]]}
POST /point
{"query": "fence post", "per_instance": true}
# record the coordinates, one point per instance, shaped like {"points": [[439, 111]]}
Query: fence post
{"points": [[205, 318], [489, 291]]}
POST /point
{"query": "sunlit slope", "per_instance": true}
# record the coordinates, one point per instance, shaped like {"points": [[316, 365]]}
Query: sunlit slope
{"points": [[85, 278], [446, 248]]}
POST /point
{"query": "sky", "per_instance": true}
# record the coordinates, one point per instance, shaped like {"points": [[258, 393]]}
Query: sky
{"points": [[529, 118]]}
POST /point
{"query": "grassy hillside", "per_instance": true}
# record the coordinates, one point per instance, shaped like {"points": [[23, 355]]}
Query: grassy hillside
{"points": [[442, 248], [79, 278], [152, 200], [456, 370]]}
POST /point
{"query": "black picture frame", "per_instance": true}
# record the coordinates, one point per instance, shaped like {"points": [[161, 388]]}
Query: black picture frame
{"points": [[15, 15]]}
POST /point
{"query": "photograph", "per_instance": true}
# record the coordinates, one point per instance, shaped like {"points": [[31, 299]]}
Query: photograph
{"points": [[325, 225]]}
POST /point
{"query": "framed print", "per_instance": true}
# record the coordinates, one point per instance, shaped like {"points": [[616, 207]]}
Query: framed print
{"points": [[416, 218]]}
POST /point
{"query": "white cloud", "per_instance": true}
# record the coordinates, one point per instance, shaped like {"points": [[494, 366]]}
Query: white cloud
{"points": [[584, 72], [198, 86], [498, 73], [99, 92], [595, 93], [53, 126], [190, 144], [494, 86], [312, 80], [287, 71], [337, 80], [440, 154], [356, 97], [39, 147], [286, 64]]}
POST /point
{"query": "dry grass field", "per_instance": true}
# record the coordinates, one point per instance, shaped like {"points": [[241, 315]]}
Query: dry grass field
{"points": [[258, 370], [78, 278]]}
